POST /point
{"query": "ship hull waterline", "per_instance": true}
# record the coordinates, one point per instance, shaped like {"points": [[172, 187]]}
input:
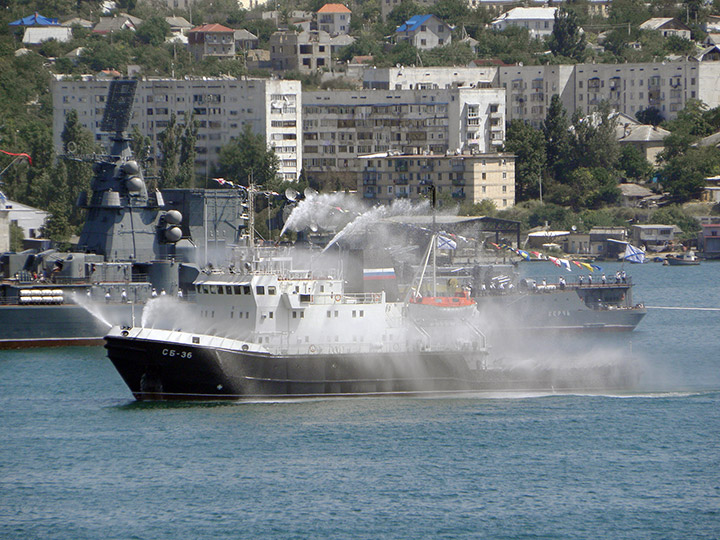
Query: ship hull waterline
{"points": [[162, 371]]}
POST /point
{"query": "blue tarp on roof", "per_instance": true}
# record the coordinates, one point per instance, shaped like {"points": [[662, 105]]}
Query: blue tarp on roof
{"points": [[413, 23], [35, 20]]}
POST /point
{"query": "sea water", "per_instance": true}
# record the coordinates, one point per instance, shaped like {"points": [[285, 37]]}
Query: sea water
{"points": [[79, 459]]}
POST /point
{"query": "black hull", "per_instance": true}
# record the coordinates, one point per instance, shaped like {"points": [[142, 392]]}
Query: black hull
{"points": [[156, 370]]}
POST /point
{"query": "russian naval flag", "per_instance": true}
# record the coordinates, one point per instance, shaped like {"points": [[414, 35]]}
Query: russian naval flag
{"points": [[378, 273]]}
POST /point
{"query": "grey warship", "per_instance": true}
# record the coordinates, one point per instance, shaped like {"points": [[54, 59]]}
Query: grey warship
{"points": [[135, 243]]}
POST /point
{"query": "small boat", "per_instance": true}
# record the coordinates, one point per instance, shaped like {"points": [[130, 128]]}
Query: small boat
{"points": [[686, 259]]}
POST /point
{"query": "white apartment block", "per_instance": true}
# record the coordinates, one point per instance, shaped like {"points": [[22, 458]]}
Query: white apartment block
{"points": [[460, 178], [419, 78], [529, 90], [340, 125], [222, 108], [628, 88]]}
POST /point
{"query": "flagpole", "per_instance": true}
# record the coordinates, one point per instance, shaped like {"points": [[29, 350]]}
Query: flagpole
{"points": [[434, 242]]}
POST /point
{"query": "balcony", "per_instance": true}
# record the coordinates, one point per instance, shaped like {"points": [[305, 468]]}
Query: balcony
{"points": [[401, 181], [402, 195], [369, 195], [458, 182], [459, 194]]}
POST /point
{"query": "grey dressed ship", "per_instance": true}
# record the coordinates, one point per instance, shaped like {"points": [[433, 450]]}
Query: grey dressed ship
{"points": [[136, 243]]}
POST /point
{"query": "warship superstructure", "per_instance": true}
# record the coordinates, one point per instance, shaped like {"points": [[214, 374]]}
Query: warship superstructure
{"points": [[136, 243]]}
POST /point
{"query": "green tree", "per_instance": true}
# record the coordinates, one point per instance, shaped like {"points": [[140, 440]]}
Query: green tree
{"points": [[633, 163], [593, 143], [651, 115], [683, 176], [566, 39], [673, 214], [140, 144], [75, 139], [401, 13], [628, 12], [17, 235], [169, 146], [153, 31], [557, 137], [364, 44], [247, 158], [678, 45], [486, 207], [453, 12], [528, 145], [186, 174]]}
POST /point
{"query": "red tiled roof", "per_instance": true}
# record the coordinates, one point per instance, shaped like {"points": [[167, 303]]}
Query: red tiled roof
{"points": [[334, 8], [212, 28]]}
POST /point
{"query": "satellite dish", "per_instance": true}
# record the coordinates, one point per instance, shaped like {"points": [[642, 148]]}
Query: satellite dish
{"points": [[314, 227], [309, 192], [574, 228], [291, 195]]}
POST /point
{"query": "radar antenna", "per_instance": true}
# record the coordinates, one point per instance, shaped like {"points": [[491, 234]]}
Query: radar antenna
{"points": [[119, 106]]}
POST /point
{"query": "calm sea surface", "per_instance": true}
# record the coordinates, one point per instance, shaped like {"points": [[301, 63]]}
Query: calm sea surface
{"points": [[80, 460]]}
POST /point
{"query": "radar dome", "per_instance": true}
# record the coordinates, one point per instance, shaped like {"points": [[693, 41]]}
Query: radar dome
{"points": [[135, 183], [131, 167], [173, 217], [173, 234]]}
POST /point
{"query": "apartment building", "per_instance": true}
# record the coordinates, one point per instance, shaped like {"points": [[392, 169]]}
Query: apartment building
{"points": [[529, 90], [300, 51], [461, 178], [424, 32], [222, 107], [629, 88], [419, 78], [340, 125], [334, 19], [211, 41]]}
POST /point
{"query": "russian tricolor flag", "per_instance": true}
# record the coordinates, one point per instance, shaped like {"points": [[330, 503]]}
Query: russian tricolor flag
{"points": [[378, 273]]}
